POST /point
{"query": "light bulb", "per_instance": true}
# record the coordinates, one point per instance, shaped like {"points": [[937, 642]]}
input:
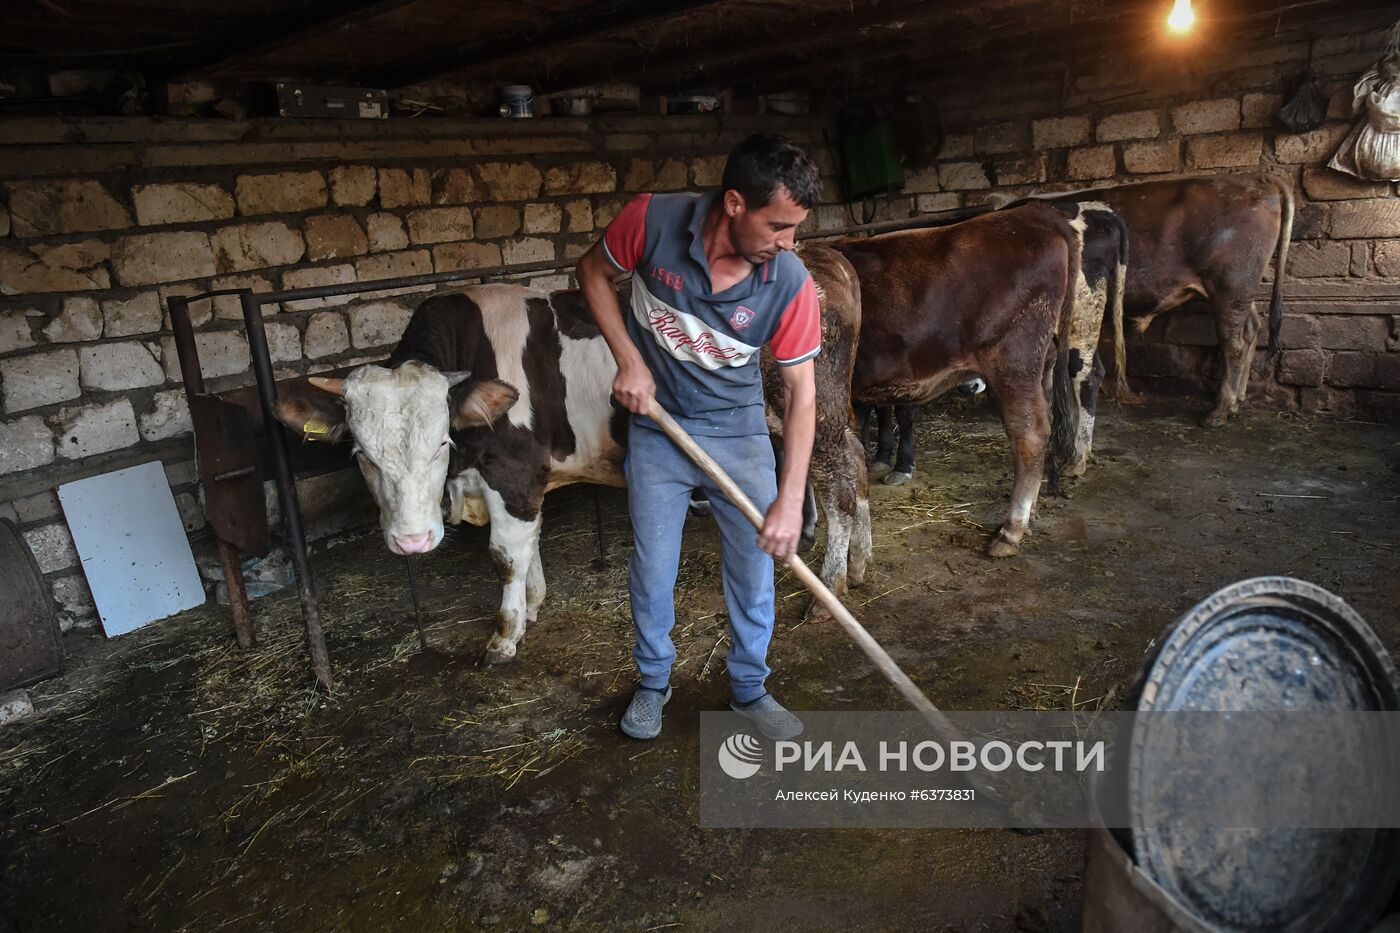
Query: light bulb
{"points": [[1182, 17]]}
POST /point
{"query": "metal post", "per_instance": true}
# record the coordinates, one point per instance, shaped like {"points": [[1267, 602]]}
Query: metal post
{"points": [[417, 611], [229, 557], [601, 561], [237, 594], [185, 346], [286, 488]]}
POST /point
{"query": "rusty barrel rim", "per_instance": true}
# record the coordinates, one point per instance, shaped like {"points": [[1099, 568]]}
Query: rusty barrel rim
{"points": [[1352, 871]]}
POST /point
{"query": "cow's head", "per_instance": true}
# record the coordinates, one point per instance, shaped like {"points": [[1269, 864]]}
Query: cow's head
{"points": [[401, 422]]}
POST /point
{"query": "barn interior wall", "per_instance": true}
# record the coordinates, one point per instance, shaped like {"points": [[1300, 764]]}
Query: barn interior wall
{"points": [[1126, 117], [102, 220]]}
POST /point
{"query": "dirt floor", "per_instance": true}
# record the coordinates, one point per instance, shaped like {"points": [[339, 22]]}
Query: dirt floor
{"points": [[173, 782]]}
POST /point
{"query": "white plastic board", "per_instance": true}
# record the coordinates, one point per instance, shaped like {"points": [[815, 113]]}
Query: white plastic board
{"points": [[132, 546]]}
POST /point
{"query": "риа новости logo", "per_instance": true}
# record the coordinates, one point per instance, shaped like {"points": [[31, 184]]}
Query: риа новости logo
{"points": [[740, 756]]}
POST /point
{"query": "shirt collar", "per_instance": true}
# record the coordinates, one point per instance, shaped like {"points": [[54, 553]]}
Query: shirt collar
{"points": [[741, 289], [696, 227]]}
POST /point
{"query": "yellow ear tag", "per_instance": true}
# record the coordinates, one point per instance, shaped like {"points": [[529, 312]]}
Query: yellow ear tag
{"points": [[315, 430]]}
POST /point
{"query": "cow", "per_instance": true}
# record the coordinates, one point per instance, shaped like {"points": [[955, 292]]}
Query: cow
{"points": [[1208, 237], [1103, 267], [986, 297], [495, 395], [837, 472]]}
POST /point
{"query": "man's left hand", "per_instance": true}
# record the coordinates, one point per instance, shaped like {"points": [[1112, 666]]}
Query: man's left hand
{"points": [[782, 528]]}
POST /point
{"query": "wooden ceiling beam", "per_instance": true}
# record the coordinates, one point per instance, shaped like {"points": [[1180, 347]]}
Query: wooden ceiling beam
{"points": [[890, 20], [287, 32], [913, 48], [1052, 50], [563, 32], [705, 55]]}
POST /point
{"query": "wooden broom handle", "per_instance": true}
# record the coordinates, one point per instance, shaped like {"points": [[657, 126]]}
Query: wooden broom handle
{"points": [[863, 639]]}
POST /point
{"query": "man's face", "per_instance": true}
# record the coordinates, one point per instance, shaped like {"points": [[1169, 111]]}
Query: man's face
{"points": [[761, 234]]}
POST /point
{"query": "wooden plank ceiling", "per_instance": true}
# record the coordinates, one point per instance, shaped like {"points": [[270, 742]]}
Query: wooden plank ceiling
{"points": [[663, 45]]}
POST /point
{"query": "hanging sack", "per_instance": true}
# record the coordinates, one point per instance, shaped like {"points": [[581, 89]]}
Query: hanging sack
{"points": [[1372, 148], [1307, 108]]}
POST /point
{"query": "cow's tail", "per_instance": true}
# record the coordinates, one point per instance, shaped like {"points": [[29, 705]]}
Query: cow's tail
{"points": [[1285, 236], [1117, 285], [1064, 408]]}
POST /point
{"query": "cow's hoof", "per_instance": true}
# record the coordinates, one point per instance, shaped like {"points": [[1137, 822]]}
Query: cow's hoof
{"points": [[495, 655], [878, 467], [702, 508], [1215, 420], [896, 478], [817, 613], [1002, 547], [806, 543]]}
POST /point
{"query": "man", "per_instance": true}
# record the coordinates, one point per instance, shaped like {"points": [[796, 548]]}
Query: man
{"points": [[713, 281]]}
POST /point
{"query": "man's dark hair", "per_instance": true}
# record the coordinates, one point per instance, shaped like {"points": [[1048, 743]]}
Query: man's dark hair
{"points": [[762, 162]]}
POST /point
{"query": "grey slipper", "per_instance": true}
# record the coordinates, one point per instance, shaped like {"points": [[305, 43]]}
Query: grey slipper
{"points": [[772, 719], [643, 717]]}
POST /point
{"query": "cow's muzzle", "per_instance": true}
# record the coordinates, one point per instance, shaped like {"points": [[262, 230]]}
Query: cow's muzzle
{"points": [[413, 544]]}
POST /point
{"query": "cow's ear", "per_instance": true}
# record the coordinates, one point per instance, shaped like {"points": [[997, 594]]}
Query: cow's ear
{"points": [[333, 386], [487, 401], [315, 418]]}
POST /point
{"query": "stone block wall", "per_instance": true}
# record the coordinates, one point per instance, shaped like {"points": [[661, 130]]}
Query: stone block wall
{"points": [[103, 220], [1119, 119]]}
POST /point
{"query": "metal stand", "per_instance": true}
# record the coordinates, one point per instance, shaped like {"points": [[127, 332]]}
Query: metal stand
{"points": [[229, 556]]}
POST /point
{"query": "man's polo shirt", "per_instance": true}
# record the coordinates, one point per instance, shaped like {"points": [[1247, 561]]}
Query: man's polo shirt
{"points": [[703, 348]]}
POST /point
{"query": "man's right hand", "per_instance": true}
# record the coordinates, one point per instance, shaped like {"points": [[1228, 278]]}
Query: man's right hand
{"points": [[634, 388]]}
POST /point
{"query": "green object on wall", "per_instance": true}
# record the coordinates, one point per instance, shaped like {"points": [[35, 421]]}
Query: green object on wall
{"points": [[871, 161]]}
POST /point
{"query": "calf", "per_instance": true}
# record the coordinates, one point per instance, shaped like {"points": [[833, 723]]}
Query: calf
{"points": [[1209, 237], [984, 297], [1103, 268]]}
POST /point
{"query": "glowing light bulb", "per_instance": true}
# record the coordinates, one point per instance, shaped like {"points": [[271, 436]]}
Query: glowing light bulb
{"points": [[1182, 17]]}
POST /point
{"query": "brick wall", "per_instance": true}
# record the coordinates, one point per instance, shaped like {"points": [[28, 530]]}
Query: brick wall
{"points": [[1128, 118], [101, 221]]}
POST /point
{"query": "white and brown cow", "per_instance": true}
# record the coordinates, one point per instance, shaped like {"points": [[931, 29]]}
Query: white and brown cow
{"points": [[495, 395], [1103, 273]]}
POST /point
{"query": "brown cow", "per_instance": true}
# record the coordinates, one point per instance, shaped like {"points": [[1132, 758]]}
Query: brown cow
{"points": [[983, 297], [1208, 237], [1103, 270]]}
